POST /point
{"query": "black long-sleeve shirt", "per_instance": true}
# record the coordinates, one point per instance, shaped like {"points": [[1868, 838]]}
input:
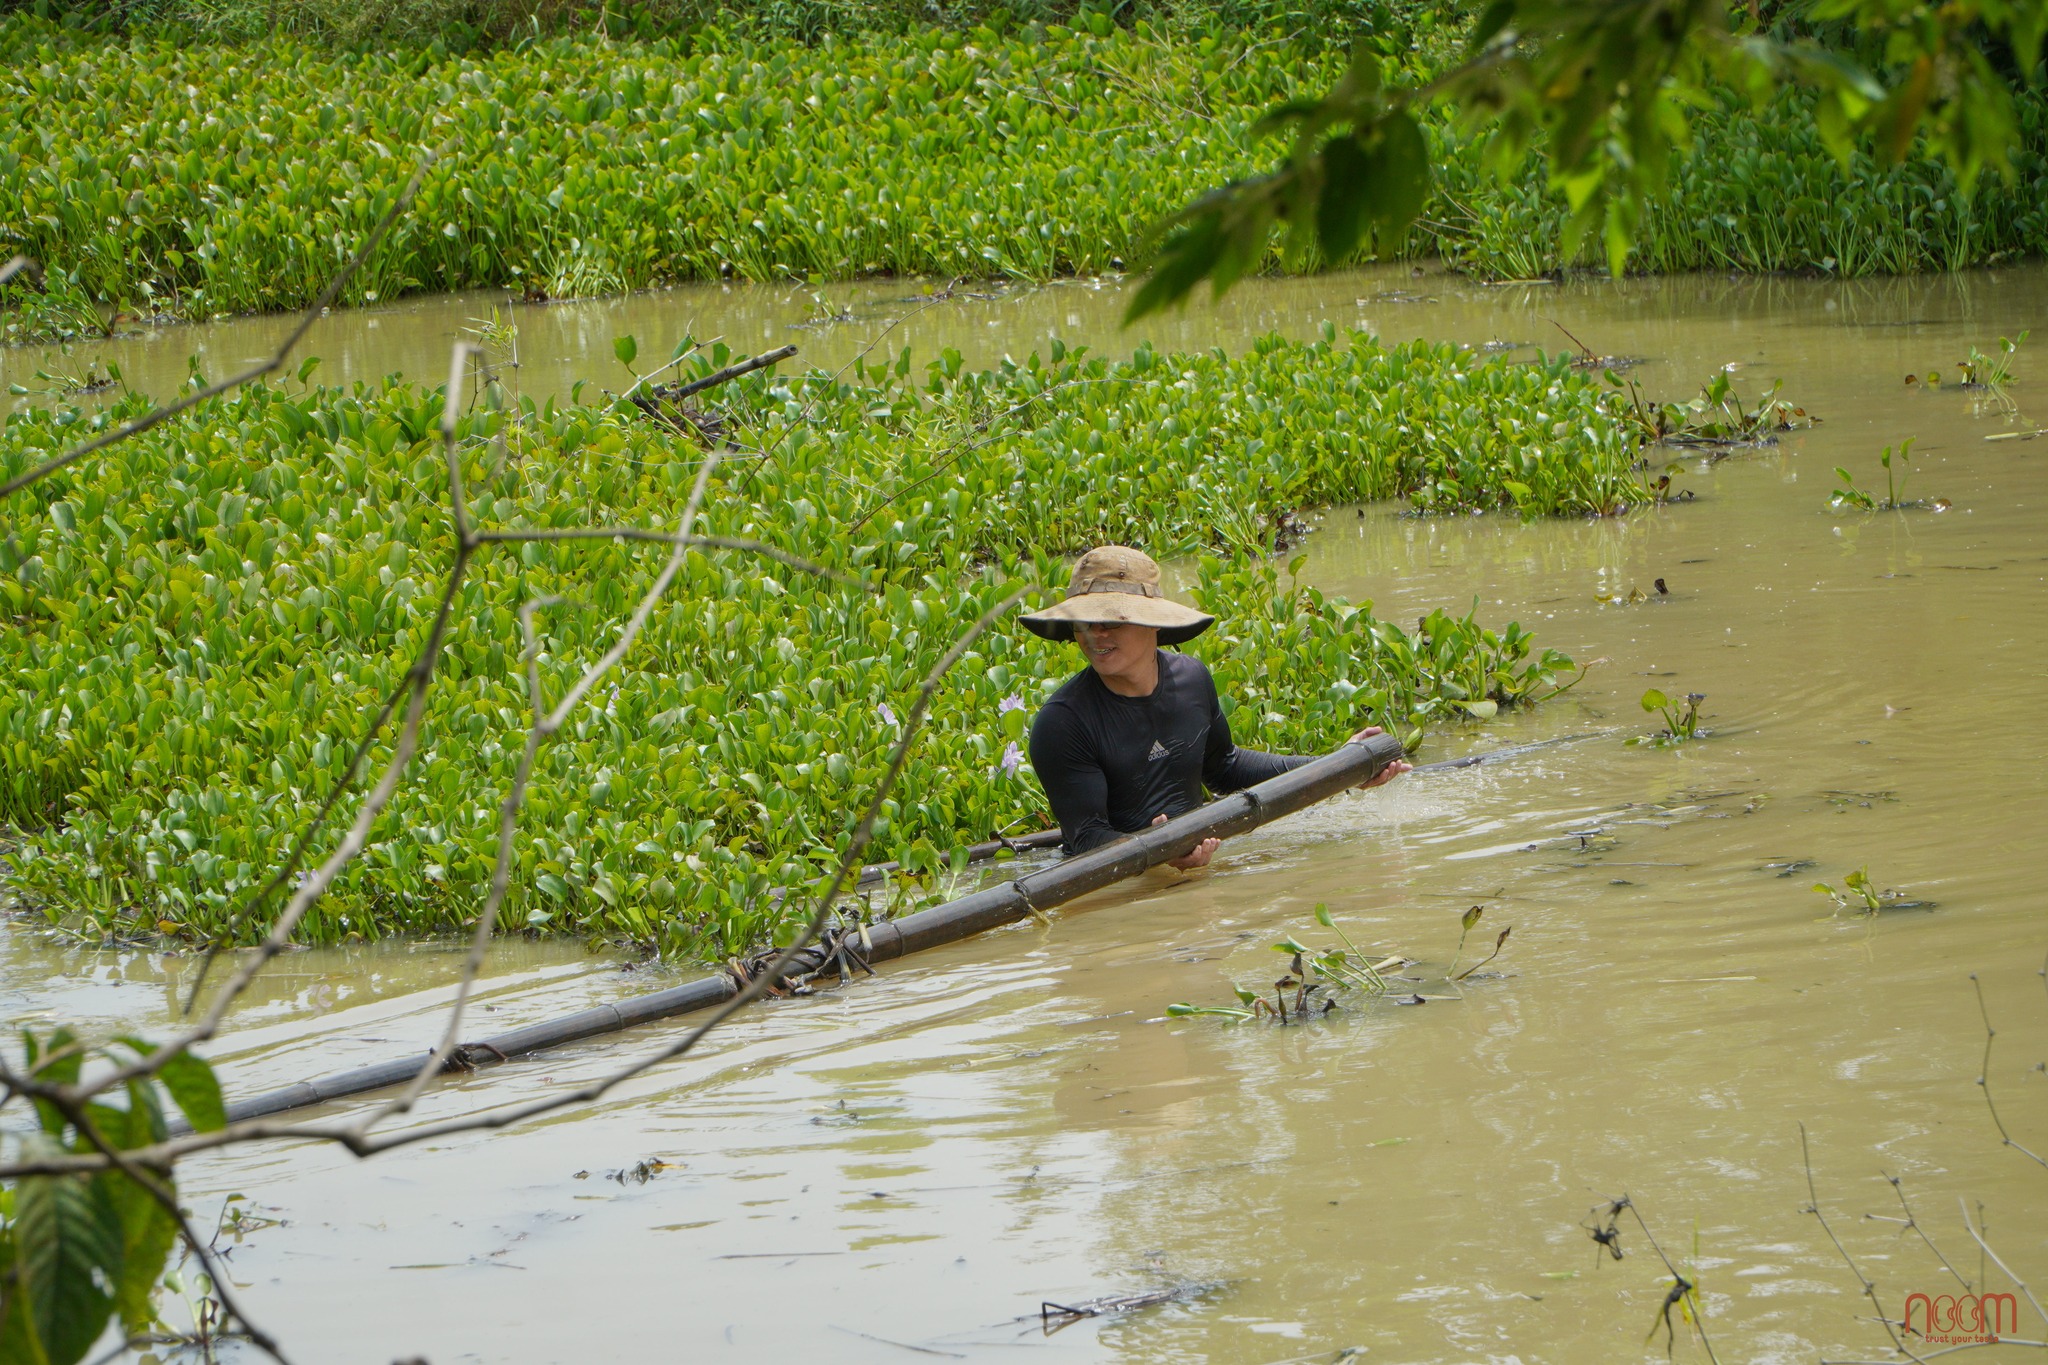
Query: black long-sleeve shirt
{"points": [[1110, 763]]}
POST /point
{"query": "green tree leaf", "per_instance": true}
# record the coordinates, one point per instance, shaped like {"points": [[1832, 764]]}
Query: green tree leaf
{"points": [[1401, 184], [67, 1239], [51, 1064], [147, 1234], [195, 1090], [1348, 182]]}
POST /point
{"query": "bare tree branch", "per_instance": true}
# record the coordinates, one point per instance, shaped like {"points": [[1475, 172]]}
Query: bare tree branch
{"points": [[1869, 1288], [690, 350], [849, 860], [545, 726], [1899, 1188], [1985, 1247], [1984, 1079]]}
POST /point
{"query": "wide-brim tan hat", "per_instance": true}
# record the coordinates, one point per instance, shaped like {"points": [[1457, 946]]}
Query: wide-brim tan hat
{"points": [[1115, 585]]}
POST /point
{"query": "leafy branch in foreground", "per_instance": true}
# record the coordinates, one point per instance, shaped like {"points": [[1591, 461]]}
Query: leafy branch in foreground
{"points": [[1683, 1292], [69, 1226], [1610, 88]]}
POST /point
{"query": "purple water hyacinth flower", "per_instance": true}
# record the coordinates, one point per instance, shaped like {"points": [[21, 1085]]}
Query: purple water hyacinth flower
{"points": [[885, 713], [1013, 759], [1009, 703]]}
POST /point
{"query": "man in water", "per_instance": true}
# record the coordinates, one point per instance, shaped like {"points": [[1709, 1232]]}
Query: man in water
{"points": [[1132, 739]]}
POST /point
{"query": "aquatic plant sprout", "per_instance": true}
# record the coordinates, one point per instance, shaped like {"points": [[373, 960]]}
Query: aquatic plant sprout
{"points": [[1681, 718], [1860, 895], [1897, 469], [1992, 372]]}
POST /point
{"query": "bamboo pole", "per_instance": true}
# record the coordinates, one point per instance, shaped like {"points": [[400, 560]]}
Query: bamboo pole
{"points": [[1351, 764]]}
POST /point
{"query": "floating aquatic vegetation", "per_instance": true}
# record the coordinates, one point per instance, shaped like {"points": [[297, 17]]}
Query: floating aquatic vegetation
{"points": [[1316, 978], [1681, 719], [1860, 895], [1993, 372], [1717, 418], [181, 180], [1897, 469], [639, 1173], [1633, 595], [201, 617]]}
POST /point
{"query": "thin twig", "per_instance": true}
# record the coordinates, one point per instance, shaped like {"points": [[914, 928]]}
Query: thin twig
{"points": [[544, 727], [1699, 1317], [1869, 1288], [1984, 1079], [277, 358], [1986, 1248], [1899, 1188]]}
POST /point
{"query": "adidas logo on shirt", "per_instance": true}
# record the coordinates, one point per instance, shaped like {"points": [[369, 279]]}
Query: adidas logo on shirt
{"points": [[1158, 752]]}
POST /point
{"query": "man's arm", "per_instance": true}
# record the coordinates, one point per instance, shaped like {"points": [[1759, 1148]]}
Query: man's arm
{"points": [[1227, 768], [1073, 780]]}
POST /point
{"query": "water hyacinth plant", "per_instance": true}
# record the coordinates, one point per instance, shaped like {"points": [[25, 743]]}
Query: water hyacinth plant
{"points": [[201, 617], [161, 179], [1681, 717]]}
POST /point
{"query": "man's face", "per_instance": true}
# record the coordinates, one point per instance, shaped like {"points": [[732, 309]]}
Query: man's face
{"points": [[1116, 650]]}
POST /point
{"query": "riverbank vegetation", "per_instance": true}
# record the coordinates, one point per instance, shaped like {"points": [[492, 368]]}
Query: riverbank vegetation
{"points": [[203, 617], [162, 181]]}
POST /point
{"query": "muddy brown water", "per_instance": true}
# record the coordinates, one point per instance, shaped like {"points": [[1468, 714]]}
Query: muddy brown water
{"points": [[908, 1168]]}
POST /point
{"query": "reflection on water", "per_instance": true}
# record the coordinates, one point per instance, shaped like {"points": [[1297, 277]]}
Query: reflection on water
{"points": [[921, 1160]]}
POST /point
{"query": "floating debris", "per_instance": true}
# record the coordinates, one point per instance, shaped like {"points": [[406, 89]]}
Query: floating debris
{"points": [[639, 1173], [1054, 1316]]}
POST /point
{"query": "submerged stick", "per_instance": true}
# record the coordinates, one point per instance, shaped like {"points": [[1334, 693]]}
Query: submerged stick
{"points": [[730, 372]]}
